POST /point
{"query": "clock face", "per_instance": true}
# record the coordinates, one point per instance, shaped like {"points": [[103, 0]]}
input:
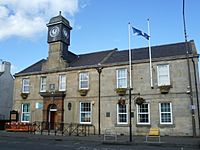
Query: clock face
{"points": [[65, 33], [54, 31]]}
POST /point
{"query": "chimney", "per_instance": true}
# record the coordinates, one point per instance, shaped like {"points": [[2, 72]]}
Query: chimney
{"points": [[5, 66]]}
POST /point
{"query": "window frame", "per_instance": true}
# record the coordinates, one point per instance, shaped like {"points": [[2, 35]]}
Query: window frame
{"points": [[62, 82], [43, 85], [159, 78], [25, 85], [121, 113], [139, 113], [121, 78], [80, 81], [25, 112], [171, 113], [85, 112]]}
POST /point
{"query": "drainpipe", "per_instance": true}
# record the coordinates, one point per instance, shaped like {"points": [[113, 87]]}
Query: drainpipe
{"points": [[189, 74], [62, 117], [197, 92], [190, 90]]}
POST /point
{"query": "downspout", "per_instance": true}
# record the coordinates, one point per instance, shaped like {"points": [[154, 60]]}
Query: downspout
{"points": [[189, 75], [190, 89], [197, 93]]}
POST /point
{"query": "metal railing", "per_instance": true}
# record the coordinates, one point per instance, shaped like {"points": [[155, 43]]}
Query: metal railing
{"points": [[63, 128]]}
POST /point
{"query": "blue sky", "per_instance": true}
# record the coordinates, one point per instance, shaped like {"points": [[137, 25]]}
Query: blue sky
{"points": [[97, 25]]}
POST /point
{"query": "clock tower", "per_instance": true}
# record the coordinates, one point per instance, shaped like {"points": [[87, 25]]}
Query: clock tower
{"points": [[59, 30], [59, 41]]}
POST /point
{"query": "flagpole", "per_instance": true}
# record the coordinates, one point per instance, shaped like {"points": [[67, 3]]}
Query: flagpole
{"points": [[130, 81], [150, 61], [129, 50]]}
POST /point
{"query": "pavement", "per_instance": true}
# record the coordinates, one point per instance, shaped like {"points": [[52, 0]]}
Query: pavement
{"points": [[166, 141]]}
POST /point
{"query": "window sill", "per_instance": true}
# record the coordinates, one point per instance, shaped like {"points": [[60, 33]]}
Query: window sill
{"points": [[83, 89], [121, 125], [85, 123], [62, 90], [143, 125], [166, 125], [43, 91]]}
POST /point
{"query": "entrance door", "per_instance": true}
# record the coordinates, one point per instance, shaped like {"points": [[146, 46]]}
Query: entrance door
{"points": [[52, 112]]}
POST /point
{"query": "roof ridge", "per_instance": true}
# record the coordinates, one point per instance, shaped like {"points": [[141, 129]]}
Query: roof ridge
{"points": [[108, 55], [153, 46], [98, 52]]}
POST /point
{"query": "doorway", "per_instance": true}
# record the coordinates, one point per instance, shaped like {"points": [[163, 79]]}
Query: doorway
{"points": [[51, 116]]}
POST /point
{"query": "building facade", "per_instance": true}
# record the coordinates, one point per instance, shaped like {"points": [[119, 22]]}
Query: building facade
{"points": [[93, 88], [6, 90]]}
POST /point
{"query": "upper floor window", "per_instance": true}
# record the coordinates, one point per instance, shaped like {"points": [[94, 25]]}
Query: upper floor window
{"points": [[25, 116], [143, 114], [163, 75], [43, 84], [165, 113], [122, 114], [85, 113], [62, 82], [84, 80], [25, 85], [121, 78]]}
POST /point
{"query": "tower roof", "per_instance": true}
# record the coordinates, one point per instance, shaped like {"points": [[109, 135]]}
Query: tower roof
{"points": [[59, 19]]}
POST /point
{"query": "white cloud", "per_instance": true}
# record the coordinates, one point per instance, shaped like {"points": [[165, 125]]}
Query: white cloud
{"points": [[25, 18]]}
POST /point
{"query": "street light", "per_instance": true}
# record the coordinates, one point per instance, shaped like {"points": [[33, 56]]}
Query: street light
{"points": [[130, 123], [99, 70]]}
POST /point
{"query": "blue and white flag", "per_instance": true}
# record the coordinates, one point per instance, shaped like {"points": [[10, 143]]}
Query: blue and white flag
{"points": [[138, 32]]}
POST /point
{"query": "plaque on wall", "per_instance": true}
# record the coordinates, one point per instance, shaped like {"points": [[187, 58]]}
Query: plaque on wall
{"points": [[13, 115]]}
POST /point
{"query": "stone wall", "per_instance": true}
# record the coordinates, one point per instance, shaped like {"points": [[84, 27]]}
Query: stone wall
{"points": [[182, 119]]}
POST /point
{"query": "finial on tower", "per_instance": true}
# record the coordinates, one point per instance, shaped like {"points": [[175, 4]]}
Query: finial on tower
{"points": [[59, 13]]}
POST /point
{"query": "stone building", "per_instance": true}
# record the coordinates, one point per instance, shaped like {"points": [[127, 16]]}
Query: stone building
{"points": [[92, 88], [6, 90]]}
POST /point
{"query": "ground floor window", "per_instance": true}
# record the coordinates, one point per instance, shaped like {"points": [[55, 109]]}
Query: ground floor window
{"points": [[143, 114], [85, 112], [165, 113], [25, 112], [122, 114]]}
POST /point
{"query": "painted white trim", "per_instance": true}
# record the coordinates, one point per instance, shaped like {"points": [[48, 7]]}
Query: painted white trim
{"points": [[25, 84], [166, 112], [53, 109], [42, 83], [80, 112], [149, 114], [88, 83], [117, 77], [22, 112], [158, 75], [122, 113], [62, 82]]}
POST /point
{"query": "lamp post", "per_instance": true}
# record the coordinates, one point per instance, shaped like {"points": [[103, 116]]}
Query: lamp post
{"points": [[130, 123], [99, 70]]}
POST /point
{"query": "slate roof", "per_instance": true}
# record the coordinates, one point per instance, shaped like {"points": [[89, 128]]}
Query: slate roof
{"points": [[90, 59], [33, 68], [115, 56], [176, 49], [69, 56], [59, 19]]}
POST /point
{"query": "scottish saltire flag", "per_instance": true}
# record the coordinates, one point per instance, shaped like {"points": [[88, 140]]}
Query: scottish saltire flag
{"points": [[138, 32]]}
